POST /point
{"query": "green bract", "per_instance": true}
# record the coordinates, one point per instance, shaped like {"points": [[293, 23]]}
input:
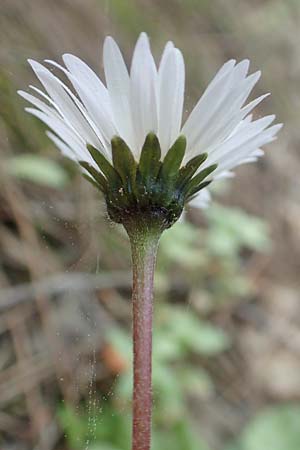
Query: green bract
{"points": [[152, 188]]}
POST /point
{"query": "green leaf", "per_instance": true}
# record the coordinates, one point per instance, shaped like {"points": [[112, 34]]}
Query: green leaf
{"points": [[209, 340], [165, 349], [198, 188], [196, 335], [196, 381], [276, 428], [112, 431], [101, 181], [124, 163], [173, 159], [180, 245], [196, 183], [105, 167], [121, 341], [232, 229], [73, 425], [180, 436], [103, 446], [169, 393], [168, 173], [38, 169], [149, 164], [186, 172], [90, 180]]}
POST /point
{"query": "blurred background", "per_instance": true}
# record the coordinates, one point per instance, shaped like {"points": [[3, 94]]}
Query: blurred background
{"points": [[227, 308]]}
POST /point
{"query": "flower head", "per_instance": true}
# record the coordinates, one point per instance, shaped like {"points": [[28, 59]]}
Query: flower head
{"points": [[129, 138]]}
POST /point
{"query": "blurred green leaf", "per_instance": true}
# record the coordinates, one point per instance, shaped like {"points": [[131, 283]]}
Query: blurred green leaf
{"points": [[104, 425], [209, 340], [103, 447], [168, 393], [179, 437], [195, 381], [165, 349], [231, 229], [179, 245], [277, 428], [197, 335], [74, 427], [121, 340], [38, 169]]}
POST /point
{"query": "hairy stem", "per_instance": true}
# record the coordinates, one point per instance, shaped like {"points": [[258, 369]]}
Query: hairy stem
{"points": [[144, 244]]}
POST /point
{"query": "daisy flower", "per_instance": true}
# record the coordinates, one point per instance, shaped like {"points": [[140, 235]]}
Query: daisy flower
{"points": [[128, 134], [129, 138]]}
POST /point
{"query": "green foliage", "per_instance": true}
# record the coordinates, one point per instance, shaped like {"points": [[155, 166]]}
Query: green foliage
{"points": [[178, 437], [149, 164], [124, 163], [96, 178], [110, 430], [230, 230], [38, 169], [173, 159], [180, 245], [186, 172], [106, 168], [105, 425], [214, 255], [195, 335], [277, 428], [196, 184]]}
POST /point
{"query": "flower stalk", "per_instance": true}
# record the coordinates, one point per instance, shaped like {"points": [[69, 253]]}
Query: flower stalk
{"points": [[144, 243]]}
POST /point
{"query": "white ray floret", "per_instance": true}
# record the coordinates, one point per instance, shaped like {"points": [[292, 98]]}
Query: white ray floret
{"points": [[150, 99]]}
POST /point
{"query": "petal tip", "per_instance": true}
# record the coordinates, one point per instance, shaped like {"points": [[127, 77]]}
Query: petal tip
{"points": [[143, 37], [109, 40]]}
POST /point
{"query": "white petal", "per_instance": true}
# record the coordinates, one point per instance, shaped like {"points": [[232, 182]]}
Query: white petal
{"points": [[46, 97], [222, 72], [245, 112], [64, 132], [96, 102], [67, 151], [244, 136], [143, 91], [206, 107], [169, 46], [74, 114], [226, 115], [225, 174], [171, 97], [64, 148], [87, 76], [234, 113], [118, 84], [240, 154], [38, 103], [241, 69]]}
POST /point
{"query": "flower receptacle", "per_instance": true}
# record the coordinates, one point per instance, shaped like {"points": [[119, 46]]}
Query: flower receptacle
{"points": [[153, 190]]}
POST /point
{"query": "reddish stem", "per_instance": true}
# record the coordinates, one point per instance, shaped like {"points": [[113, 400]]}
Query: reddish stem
{"points": [[144, 249]]}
